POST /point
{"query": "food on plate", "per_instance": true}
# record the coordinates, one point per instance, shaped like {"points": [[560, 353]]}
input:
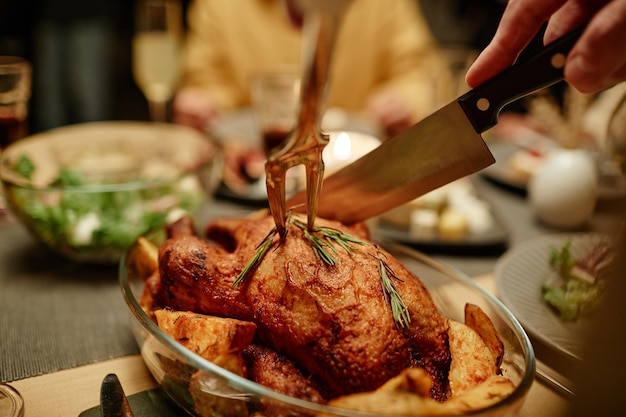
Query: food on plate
{"points": [[578, 284], [334, 316], [453, 224], [451, 212], [523, 164]]}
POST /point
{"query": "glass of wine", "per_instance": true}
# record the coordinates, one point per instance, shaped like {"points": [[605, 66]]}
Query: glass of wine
{"points": [[156, 49], [274, 97], [15, 90]]}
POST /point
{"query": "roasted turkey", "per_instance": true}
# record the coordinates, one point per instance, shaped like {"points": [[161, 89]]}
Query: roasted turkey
{"points": [[333, 321]]}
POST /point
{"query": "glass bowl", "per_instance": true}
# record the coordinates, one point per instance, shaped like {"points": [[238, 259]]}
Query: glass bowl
{"points": [[87, 191], [173, 365]]}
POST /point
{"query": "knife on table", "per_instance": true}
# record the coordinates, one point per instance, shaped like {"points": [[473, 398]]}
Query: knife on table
{"points": [[439, 149], [113, 401]]}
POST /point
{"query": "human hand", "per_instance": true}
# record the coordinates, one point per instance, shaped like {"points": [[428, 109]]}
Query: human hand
{"points": [[391, 112], [192, 107], [596, 62]]}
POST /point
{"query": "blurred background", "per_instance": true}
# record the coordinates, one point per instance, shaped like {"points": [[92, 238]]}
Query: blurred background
{"points": [[81, 52]]}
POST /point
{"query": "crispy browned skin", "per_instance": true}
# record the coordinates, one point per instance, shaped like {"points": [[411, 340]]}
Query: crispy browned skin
{"points": [[333, 321], [277, 372]]}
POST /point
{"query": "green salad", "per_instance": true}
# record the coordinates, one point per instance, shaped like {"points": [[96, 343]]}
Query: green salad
{"points": [[577, 287], [86, 218]]}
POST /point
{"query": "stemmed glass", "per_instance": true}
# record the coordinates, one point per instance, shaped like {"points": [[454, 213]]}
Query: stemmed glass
{"points": [[15, 90], [156, 48], [11, 402]]}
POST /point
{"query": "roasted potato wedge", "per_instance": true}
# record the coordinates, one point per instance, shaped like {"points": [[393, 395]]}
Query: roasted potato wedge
{"points": [[479, 321], [146, 257], [472, 361], [219, 340], [394, 399]]}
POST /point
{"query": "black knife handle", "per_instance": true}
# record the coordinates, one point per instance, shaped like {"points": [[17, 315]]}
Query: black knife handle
{"points": [[483, 104]]}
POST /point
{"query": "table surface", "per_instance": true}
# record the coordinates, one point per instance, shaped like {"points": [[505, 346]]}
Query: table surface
{"points": [[57, 357]]}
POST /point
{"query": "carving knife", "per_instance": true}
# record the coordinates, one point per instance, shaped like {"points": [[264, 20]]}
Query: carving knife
{"points": [[439, 149], [113, 401]]}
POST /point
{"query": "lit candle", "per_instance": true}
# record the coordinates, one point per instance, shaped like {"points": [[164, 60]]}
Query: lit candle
{"points": [[345, 148]]}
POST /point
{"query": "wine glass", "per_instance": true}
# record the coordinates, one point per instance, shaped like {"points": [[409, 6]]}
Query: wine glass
{"points": [[15, 90], [156, 50], [11, 402]]}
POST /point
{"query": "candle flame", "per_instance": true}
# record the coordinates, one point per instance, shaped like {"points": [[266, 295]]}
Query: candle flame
{"points": [[342, 149]]}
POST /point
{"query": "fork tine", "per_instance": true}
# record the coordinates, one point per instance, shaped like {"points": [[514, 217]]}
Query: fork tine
{"points": [[314, 177], [306, 144], [276, 173]]}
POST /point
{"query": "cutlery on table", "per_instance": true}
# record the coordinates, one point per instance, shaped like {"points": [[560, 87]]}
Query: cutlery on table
{"points": [[439, 149], [113, 401]]}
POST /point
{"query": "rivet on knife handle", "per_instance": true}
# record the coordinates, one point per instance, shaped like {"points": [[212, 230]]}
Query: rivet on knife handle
{"points": [[541, 69]]}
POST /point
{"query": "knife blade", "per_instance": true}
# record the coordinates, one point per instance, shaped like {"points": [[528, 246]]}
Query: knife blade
{"points": [[113, 401], [443, 147]]}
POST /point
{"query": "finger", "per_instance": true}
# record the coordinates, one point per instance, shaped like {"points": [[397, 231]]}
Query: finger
{"points": [[598, 60], [520, 22], [570, 16]]}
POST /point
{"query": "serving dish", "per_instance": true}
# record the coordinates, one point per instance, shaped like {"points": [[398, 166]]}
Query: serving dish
{"points": [[520, 274], [87, 191], [172, 364]]}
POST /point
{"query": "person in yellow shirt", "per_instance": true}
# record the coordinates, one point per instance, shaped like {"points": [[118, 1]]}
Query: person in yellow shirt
{"points": [[386, 63]]}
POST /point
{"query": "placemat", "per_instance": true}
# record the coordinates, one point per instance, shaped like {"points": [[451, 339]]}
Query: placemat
{"points": [[56, 314]]}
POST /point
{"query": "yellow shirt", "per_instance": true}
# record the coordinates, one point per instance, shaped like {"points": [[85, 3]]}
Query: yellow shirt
{"points": [[381, 44]]}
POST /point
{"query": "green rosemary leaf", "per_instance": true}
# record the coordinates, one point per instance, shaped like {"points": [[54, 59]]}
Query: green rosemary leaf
{"points": [[344, 240], [399, 309], [319, 246], [327, 235], [261, 250]]}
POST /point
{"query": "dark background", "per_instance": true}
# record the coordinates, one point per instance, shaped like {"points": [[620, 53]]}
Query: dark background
{"points": [[80, 51]]}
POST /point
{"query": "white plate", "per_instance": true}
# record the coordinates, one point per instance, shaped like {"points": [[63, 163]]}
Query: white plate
{"points": [[521, 272]]}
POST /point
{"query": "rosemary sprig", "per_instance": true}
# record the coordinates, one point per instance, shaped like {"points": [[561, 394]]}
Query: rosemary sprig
{"points": [[319, 245], [321, 240], [399, 309], [261, 250]]}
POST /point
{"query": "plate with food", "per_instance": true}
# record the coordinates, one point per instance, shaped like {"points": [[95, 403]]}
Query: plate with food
{"points": [[515, 164], [552, 282], [450, 218], [321, 322]]}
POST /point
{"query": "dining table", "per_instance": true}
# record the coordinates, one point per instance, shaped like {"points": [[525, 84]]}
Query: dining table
{"points": [[64, 325]]}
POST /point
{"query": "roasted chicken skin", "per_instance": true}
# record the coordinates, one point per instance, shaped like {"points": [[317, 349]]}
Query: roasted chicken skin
{"points": [[334, 322]]}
